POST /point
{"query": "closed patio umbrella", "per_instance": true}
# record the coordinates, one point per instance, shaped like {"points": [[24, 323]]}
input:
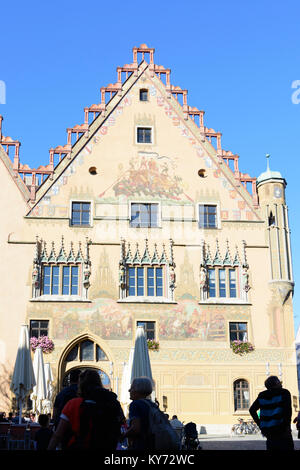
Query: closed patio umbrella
{"points": [[39, 392], [141, 366], [125, 384], [49, 388], [23, 379]]}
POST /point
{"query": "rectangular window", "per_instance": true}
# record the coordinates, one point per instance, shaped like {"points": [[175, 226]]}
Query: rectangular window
{"points": [[143, 95], [144, 215], [212, 282], [145, 281], [140, 281], [38, 328], [60, 280], [131, 281], [74, 280], [238, 331], [46, 280], [150, 281], [81, 213], [149, 328], [144, 135], [232, 282], [159, 281], [222, 283], [55, 280], [66, 280], [207, 216]]}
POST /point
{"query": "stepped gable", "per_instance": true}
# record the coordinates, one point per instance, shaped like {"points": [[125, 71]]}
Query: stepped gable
{"points": [[14, 176], [39, 180]]}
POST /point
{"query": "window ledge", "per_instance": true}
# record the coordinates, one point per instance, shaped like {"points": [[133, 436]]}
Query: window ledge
{"points": [[150, 226], [60, 298], [80, 226], [146, 300], [224, 302]]}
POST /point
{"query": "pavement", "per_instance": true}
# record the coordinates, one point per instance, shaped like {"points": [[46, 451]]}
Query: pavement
{"points": [[241, 442]]}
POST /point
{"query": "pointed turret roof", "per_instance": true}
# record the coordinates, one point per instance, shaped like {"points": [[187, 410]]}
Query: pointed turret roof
{"points": [[269, 174]]}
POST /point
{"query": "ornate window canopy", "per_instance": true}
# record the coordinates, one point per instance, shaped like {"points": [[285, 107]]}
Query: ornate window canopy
{"points": [[146, 276], [61, 274], [224, 277]]}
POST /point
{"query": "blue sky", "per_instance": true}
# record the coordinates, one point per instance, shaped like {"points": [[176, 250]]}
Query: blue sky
{"points": [[238, 61]]}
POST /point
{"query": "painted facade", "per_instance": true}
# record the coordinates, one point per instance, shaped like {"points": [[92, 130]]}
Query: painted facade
{"points": [[143, 217]]}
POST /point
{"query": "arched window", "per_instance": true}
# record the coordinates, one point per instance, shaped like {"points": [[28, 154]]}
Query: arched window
{"points": [[86, 354], [86, 350], [241, 395], [271, 219]]}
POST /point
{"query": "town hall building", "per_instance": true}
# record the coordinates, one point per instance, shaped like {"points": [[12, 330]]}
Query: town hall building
{"points": [[142, 218]]}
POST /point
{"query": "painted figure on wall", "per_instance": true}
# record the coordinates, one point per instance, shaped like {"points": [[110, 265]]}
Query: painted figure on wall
{"points": [[203, 277], [103, 284], [187, 286], [188, 320], [149, 176]]}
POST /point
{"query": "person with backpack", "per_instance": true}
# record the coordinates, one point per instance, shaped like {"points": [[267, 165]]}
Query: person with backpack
{"points": [[94, 418], [148, 428], [138, 430], [274, 421], [62, 398], [65, 395]]}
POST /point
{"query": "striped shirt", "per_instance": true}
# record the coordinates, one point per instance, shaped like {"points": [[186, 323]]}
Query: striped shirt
{"points": [[275, 411]]}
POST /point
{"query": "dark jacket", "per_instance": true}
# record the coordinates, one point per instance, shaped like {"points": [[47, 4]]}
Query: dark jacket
{"points": [[62, 398], [42, 438], [275, 411], [101, 416]]}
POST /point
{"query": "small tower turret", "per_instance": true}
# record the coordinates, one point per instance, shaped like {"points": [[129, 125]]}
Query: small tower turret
{"points": [[271, 193]]}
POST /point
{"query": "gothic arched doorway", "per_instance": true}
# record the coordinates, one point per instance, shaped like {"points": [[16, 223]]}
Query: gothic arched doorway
{"points": [[85, 353]]}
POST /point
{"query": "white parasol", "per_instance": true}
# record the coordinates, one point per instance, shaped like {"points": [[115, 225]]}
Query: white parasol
{"points": [[23, 379], [39, 392], [49, 386], [125, 384], [141, 366]]}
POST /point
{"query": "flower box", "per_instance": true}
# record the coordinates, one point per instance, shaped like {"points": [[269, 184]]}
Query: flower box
{"points": [[153, 345], [241, 347], [43, 342]]}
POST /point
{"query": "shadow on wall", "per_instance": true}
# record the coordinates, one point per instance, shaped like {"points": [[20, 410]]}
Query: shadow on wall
{"points": [[5, 393]]}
